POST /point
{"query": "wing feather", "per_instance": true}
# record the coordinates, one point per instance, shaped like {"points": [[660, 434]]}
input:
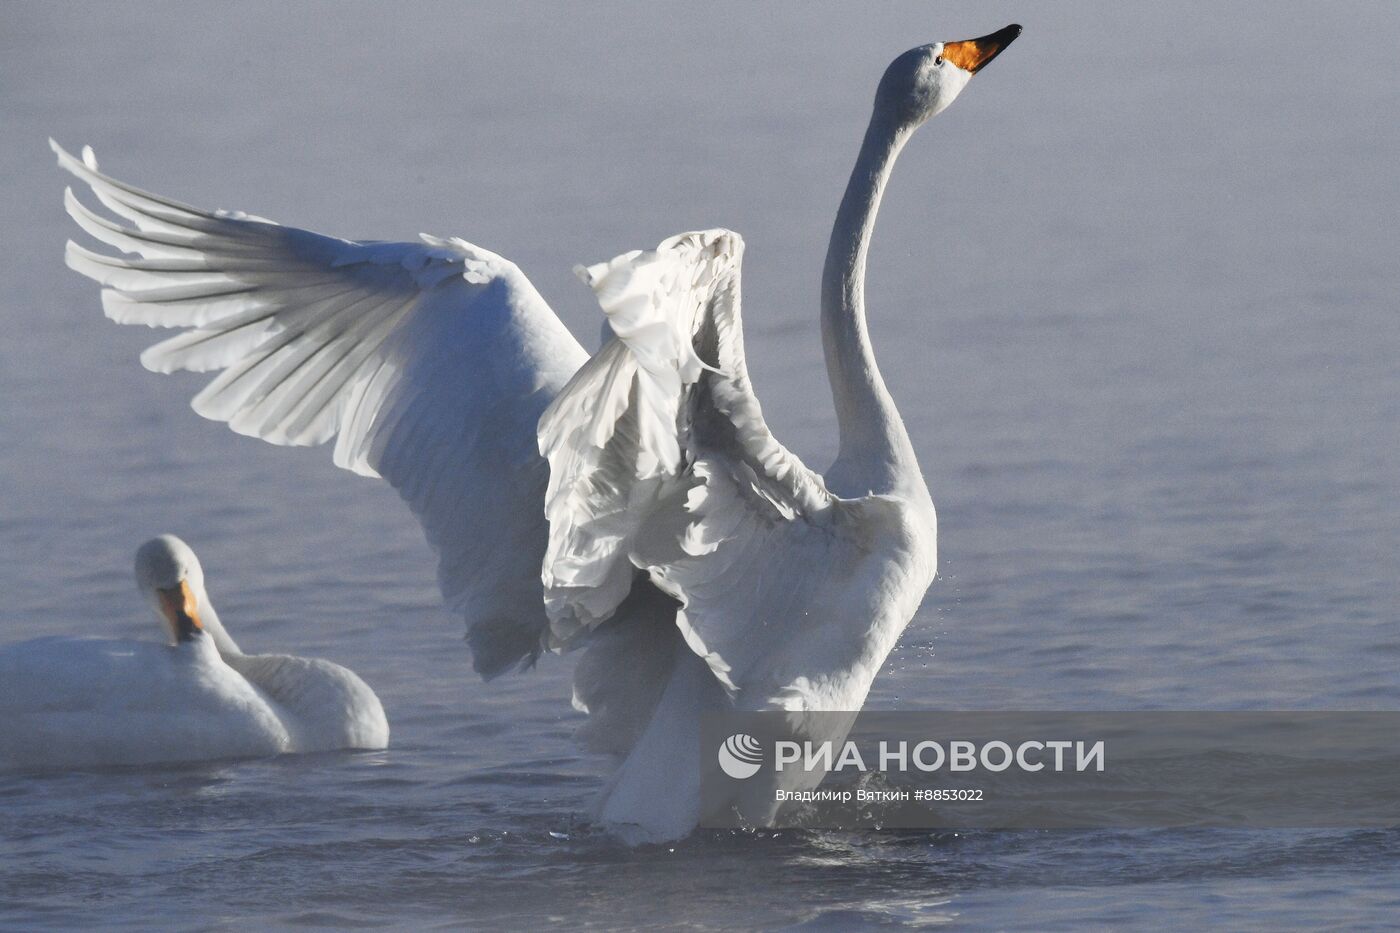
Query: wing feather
{"points": [[430, 363], [661, 462]]}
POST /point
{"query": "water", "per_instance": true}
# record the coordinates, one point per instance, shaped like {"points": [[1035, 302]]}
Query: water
{"points": [[1134, 291]]}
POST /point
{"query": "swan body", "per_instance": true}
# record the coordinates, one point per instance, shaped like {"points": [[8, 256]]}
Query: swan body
{"points": [[96, 702], [634, 503]]}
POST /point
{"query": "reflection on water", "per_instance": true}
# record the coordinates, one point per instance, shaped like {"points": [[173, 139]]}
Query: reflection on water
{"points": [[1137, 304]]}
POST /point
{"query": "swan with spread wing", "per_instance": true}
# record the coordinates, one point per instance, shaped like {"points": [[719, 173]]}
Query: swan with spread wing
{"points": [[633, 503]]}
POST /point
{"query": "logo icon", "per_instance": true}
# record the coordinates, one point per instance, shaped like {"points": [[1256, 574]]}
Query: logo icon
{"points": [[740, 756]]}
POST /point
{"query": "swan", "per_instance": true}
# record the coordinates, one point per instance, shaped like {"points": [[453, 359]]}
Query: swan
{"points": [[73, 702], [633, 503]]}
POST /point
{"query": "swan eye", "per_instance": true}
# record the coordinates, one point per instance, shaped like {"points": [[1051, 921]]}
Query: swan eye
{"points": [[938, 60]]}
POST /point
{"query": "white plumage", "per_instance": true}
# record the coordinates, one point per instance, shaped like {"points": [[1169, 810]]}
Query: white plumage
{"points": [[428, 362], [94, 702], [699, 562]]}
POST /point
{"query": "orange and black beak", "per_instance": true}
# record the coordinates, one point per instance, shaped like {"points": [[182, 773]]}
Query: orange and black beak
{"points": [[181, 610], [973, 54]]}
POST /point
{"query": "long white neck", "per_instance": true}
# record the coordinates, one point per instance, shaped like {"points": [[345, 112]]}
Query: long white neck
{"points": [[209, 619], [875, 454]]}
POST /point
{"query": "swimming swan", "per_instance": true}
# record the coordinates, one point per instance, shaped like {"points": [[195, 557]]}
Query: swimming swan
{"points": [[698, 562], [70, 702]]}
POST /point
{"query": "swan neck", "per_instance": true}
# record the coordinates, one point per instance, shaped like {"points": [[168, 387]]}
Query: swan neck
{"points": [[209, 620], [875, 454]]}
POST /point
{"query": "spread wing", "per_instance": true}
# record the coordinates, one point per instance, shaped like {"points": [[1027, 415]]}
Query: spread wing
{"points": [[428, 362], [661, 462]]}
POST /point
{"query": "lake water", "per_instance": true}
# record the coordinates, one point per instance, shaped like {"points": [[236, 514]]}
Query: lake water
{"points": [[1135, 292]]}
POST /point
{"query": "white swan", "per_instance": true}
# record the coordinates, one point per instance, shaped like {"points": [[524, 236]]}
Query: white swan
{"points": [[702, 564], [92, 702]]}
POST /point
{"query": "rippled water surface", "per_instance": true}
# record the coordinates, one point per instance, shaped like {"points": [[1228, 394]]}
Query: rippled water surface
{"points": [[1136, 294]]}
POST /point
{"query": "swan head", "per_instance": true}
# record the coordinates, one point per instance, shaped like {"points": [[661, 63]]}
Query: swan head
{"points": [[922, 82], [169, 575]]}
